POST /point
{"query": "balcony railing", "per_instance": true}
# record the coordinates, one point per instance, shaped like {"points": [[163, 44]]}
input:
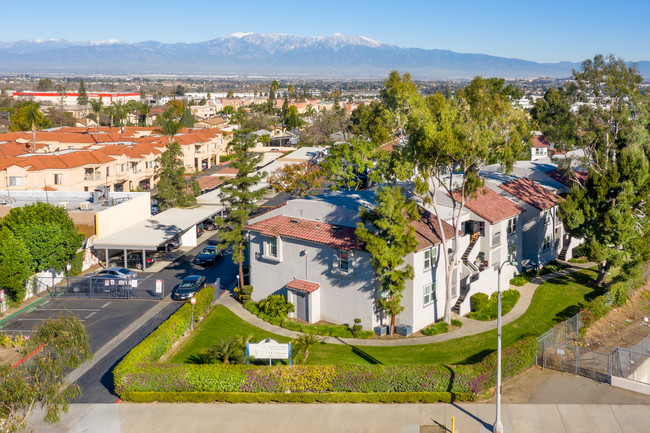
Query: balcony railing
{"points": [[96, 176]]}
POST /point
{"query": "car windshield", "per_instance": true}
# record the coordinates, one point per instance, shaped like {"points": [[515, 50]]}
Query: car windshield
{"points": [[187, 284], [209, 252]]}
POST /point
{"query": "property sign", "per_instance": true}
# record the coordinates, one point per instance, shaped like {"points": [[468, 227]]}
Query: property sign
{"points": [[159, 286], [192, 300], [269, 349]]}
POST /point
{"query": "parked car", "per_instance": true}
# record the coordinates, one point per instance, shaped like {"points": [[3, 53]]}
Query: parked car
{"points": [[133, 260], [118, 272], [209, 225], [188, 287], [171, 244], [209, 256], [199, 230], [155, 209], [101, 283]]}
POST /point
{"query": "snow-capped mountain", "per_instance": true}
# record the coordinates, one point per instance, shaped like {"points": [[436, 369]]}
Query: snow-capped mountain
{"points": [[245, 54]]}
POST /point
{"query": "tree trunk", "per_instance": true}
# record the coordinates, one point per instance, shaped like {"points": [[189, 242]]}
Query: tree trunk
{"points": [[392, 324], [241, 275], [603, 269], [305, 355]]}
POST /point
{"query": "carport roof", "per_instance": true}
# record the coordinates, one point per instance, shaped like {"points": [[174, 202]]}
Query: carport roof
{"points": [[149, 234]]}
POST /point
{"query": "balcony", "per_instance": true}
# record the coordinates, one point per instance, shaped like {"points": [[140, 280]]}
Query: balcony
{"points": [[96, 176]]}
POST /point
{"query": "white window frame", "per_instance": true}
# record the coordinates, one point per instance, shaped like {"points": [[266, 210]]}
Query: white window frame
{"points": [[347, 261], [496, 240], [272, 246], [429, 294], [430, 258], [16, 181], [58, 179], [512, 226], [512, 253], [547, 243]]}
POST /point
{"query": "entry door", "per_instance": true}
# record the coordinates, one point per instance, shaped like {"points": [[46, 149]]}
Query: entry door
{"points": [[301, 306]]}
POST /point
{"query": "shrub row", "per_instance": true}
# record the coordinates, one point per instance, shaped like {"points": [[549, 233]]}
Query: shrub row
{"points": [[158, 343], [475, 379], [489, 308], [339, 331], [266, 397], [525, 277]]}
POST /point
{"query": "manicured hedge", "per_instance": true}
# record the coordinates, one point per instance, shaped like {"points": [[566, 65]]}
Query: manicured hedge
{"points": [[138, 373], [158, 343], [489, 311], [266, 397]]}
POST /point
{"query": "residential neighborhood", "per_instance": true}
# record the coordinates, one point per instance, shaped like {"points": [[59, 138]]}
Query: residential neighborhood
{"points": [[233, 235]]}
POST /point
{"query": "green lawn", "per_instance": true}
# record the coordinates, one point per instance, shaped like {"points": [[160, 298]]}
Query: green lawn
{"points": [[554, 301]]}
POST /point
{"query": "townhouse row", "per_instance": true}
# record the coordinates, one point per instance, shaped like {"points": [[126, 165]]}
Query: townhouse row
{"points": [[81, 159], [307, 250]]}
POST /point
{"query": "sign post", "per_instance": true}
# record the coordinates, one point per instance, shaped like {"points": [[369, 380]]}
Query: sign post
{"points": [[68, 266], [192, 301], [269, 349], [2, 303]]}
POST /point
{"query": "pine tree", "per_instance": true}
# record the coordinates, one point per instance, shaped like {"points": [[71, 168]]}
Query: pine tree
{"points": [[240, 197], [389, 237], [82, 99], [172, 186]]}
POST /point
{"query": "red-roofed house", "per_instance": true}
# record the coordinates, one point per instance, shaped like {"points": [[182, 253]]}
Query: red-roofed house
{"points": [[308, 251], [539, 148], [544, 238]]}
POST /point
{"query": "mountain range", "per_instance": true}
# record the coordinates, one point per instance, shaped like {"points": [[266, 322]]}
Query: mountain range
{"points": [[266, 55]]}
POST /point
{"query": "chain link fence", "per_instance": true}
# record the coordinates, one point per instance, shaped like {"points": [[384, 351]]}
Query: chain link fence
{"points": [[633, 363], [111, 288]]}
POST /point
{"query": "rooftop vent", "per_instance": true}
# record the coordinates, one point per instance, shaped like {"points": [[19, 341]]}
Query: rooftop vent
{"points": [[293, 220]]}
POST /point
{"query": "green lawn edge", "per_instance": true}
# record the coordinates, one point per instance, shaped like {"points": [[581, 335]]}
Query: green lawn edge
{"points": [[554, 301]]}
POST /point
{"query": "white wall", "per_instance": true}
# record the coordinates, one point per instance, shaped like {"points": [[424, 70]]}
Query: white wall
{"points": [[123, 215]]}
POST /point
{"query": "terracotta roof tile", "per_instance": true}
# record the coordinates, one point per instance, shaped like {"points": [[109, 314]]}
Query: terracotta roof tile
{"points": [[540, 141], [531, 193], [427, 231], [342, 237], [207, 182], [303, 286], [568, 178], [491, 206]]}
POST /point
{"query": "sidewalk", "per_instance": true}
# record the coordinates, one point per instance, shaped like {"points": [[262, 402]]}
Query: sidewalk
{"points": [[470, 327], [349, 418]]}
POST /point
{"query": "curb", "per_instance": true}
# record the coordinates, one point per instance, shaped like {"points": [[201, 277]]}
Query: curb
{"points": [[32, 305]]}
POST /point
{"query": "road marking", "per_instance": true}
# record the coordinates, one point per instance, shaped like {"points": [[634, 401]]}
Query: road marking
{"points": [[69, 309], [40, 320], [91, 315], [105, 305]]}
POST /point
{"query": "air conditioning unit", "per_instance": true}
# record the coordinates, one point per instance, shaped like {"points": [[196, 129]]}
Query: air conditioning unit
{"points": [[63, 204], [84, 206]]}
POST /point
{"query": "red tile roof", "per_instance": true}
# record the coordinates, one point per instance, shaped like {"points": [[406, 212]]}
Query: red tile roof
{"points": [[531, 193], [491, 206], [341, 237], [303, 286], [566, 178], [427, 231], [206, 182], [540, 141]]}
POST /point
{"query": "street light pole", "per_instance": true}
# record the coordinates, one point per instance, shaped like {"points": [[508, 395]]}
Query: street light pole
{"points": [[498, 426]]}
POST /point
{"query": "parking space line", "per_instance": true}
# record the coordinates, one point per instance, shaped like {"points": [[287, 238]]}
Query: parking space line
{"points": [[69, 309], [91, 315], [105, 305]]}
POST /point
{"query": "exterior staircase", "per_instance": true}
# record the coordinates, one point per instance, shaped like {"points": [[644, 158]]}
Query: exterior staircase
{"points": [[461, 298], [472, 242], [562, 255]]}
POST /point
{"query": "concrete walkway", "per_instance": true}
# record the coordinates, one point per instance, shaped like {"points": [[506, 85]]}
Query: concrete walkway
{"points": [[350, 418], [470, 327]]}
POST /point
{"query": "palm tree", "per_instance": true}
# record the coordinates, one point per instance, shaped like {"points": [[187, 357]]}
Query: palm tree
{"points": [[96, 107], [168, 123], [303, 343]]}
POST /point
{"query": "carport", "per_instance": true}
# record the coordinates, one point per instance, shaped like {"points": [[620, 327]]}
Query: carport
{"points": [[148, 235]]}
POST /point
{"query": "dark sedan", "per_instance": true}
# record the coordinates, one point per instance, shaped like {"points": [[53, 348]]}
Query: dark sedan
{"points": [[188, 287], [209, 256]]}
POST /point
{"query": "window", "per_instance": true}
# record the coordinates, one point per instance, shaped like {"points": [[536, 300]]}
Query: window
{"points": [[430, 257], [429, 293], [546, 216], [108, 171], [512, 253], [15, 181], [272, 247], [547, 243], [512, 225], [496, 239], [344, 260], [58, 179]]}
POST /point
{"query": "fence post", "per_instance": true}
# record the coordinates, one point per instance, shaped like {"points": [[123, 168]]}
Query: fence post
{"points": [[577, 359]]}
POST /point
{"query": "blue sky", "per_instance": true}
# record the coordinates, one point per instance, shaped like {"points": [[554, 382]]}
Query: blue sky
{"points": [[544, 31]]}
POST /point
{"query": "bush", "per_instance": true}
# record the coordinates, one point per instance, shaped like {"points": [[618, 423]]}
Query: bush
{"points": [[340, 397], [578, 260], [438, 328], [519, 280], [509, 299], [478, 301], [457, 323], [276, 306], [553, 266], [77, 263], [244, 295], [357, 328]]}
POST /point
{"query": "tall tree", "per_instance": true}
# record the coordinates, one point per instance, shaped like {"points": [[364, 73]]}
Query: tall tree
{"points": [[47, 231], [41, 380], [15, 265], [273, 88], [44, 85], [27, 117], [460, 135], [82, 99], [348, 165], [174, 190], [96, 107], [608, 211], [373, 121], [389, 237], [554, 117], [187, 120], [297, 180], [240, 196], [168, 123], [292, 119]]}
